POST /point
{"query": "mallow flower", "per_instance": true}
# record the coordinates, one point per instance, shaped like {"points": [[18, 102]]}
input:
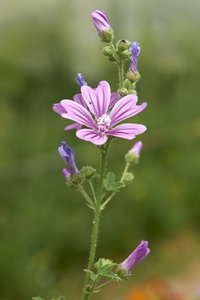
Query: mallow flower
{"points": [[57, 107], [67, 155], [135, 51], [135, 257], [99, 114]]}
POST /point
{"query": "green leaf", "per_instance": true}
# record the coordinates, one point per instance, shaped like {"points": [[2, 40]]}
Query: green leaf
{"points": [[110, 184], [106, 268], [38, 298], [110, 274]]}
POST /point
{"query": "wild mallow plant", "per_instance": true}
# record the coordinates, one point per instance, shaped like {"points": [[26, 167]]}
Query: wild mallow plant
{"points": [[98, 117]]}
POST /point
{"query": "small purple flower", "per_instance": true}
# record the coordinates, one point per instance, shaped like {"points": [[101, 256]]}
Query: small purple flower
{"points": [[67, 155], [100, 21], [136, 148], [135, 51], [80, 79], [100, 112], [136, 256]]}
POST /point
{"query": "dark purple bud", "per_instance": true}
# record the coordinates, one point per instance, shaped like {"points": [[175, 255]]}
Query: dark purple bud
{"points": [[136, 256], [80, 79], [67, 155], [135, 51], [100, 21]]}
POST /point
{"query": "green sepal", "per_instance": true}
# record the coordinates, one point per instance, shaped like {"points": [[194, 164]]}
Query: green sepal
{"points": [[122, 45], [87, 172], [107, 35], [133, 77], [128, 177], [106, 268], [110, 184]]}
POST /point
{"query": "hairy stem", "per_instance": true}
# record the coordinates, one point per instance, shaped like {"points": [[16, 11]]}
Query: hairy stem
{"points": [[96, 220]]}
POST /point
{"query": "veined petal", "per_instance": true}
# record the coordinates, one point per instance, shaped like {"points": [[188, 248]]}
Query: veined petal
{"points": [[79, 99], [113, 99], [91, 136], [58, 108], [127, 131], [103, 95], [76, 112], [90, 98], [125, 108], [73, 126], [98, 99]]}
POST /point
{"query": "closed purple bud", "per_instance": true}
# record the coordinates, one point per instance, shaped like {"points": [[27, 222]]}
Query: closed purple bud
{"points": [[100, 21], [80, 79], [135, 51], [136, 256], [67, 155], [136, 148]]}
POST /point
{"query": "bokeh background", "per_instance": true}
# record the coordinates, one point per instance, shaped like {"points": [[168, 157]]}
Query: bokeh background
{"points": [[45, 227]]}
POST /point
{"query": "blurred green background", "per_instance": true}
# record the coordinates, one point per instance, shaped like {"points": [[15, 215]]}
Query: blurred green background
{"points": [[45, 227]]}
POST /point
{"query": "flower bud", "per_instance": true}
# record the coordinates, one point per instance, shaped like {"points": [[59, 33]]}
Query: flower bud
{"points": [[133, 155], [136, 256], [67, 155], [125, 54], [102, 25], [87, 172], [123, 92], [133, 77], [108, 51], [128, 177], [80, 79], [127, 84], [135, 51], [122, 45]]}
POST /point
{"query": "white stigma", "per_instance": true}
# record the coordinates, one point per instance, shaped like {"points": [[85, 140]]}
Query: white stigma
{"points": [[103, 122]]}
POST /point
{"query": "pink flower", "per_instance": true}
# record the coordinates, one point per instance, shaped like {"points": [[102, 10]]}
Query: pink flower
{"points": [[136, 256], [99, 112]]}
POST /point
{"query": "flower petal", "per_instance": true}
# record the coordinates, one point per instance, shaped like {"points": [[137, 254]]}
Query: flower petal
{"points": [[58, 108], [91, 136], [76, 112], [127, 131], [113, 99], [125, 108], [79, 99], [73, 126], [98, 99]]}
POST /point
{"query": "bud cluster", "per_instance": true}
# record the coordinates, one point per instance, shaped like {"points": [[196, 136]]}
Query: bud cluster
{"points": [[122, 51]]}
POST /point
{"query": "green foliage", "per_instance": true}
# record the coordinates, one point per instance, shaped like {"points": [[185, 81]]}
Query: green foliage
{"points": [[110, 184]]}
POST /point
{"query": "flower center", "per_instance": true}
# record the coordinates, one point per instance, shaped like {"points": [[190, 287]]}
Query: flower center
{"points": [[103, 123]]}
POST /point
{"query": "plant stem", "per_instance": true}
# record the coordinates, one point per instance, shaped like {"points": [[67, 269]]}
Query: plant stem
{"points": [[96, 221], [121, 73]]}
